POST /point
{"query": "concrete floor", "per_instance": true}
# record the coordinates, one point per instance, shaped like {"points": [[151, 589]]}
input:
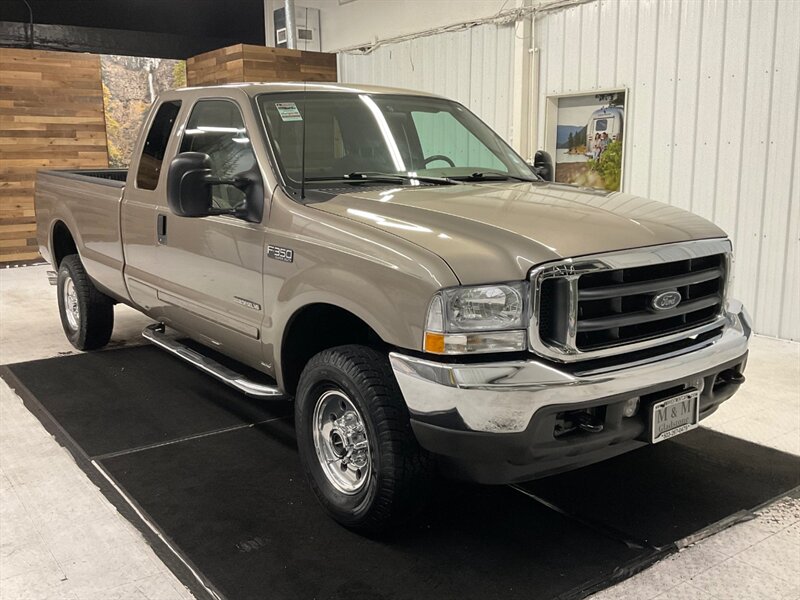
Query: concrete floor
{"points": [[60, 537]]}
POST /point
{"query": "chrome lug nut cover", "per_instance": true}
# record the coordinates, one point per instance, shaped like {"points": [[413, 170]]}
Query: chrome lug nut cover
{"points": [[71, 308], [341, 442]]}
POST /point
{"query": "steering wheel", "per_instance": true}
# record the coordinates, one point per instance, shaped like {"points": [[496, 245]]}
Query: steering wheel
{"points": [[446, 159]]}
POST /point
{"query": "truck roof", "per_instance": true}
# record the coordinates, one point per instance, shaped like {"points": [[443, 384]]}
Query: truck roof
{"points": [[254, 88]]}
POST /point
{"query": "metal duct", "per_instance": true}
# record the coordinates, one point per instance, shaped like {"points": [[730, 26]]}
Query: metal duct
{"points": [[291, 24]]}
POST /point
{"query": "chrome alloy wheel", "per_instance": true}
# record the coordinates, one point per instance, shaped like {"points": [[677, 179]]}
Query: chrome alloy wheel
{"points": [[341, 442], [71, 308]]}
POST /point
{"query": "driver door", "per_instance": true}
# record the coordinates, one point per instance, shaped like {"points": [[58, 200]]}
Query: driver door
{"points": [[210, 269]]}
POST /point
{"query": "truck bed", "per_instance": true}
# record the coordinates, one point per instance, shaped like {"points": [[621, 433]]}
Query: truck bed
{"points": [[110, 177], [87, 202]]}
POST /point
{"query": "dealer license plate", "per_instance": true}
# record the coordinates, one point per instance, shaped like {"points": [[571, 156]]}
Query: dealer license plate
{"points": [[674, 416]]}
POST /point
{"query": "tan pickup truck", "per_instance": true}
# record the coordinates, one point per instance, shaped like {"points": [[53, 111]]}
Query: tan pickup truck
{"points": [[429, 301]]}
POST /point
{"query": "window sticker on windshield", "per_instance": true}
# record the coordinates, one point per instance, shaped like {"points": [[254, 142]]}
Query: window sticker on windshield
{"points": [[288, 111]]}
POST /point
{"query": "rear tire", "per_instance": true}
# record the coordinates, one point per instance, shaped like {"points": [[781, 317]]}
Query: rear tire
{"points": [[87, 314], [346, 396]]}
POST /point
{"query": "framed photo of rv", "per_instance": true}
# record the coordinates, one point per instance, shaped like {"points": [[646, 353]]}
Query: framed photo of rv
{"points": [[585, 135]]}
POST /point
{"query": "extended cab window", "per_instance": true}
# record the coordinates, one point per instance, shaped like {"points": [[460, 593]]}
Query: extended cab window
{"points": [[156, 145], [216, 128]]}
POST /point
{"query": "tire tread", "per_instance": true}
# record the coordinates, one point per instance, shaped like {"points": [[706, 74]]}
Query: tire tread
{"points": [[409, 469], [97, 320]]}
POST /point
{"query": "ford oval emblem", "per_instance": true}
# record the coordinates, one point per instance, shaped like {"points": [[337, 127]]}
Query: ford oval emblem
{"points": [[666, 300]]}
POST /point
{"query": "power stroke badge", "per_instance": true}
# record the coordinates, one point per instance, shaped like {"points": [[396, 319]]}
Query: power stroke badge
{"points": [[278, 253], [247, 303]]}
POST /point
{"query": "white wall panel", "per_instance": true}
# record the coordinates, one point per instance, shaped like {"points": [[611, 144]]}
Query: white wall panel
{"points": [[725, 44], [351, 24], [694, 187], [692, 127], [591, 45], [474, 66], [712, 120], [641, 115], [781, 172]]}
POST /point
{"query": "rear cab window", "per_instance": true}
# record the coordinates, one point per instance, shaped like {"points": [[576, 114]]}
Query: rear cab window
{"points": [[155, 145]]}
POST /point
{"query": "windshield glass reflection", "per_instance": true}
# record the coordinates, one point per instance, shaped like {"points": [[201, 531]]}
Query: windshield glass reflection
{"points": [[369, 137]]}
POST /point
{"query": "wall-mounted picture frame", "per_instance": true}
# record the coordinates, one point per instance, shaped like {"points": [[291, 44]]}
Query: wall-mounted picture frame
{"points": [[585, 135], [130, 86]]}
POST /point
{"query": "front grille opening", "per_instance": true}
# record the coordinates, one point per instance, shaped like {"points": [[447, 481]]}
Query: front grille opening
{"points": [[619, 306], [601, 278], [647, 353], [547, 313], [702, 289], [638, 274], [707, 262]]}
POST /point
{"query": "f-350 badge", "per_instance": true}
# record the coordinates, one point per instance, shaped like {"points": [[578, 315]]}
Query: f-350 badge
{"points": [[278, 253]]}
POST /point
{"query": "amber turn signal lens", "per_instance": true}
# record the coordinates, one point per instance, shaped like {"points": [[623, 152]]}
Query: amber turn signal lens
{"points": [[434, 342]]}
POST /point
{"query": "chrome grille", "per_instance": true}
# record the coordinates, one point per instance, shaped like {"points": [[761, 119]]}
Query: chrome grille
{"points": [[605, 304]]}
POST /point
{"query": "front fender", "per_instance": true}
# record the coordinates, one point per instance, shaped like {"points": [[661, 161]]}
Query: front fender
{"points": [[395, 312], [382, 279]]}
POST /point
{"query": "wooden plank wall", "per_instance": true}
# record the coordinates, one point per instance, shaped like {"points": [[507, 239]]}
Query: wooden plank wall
{"points": [[245, 62], [51, 116]]}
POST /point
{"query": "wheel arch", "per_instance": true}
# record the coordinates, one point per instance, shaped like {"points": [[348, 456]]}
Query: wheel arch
{"points": [[62, 242], [316, 327]]}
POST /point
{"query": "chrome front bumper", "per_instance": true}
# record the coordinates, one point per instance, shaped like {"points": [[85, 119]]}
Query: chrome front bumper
{"points": [[502, 397]]}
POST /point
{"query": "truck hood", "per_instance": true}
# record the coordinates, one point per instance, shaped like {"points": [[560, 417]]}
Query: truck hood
{"points": [[496, 232]]}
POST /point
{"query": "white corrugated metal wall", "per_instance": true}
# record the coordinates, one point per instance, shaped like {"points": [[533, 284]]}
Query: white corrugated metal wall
{"points": [[474, 66], [712, 120], [712, 113]]}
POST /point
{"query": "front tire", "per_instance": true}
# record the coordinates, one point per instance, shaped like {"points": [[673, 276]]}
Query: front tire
{"points": [[87, 314], [356, 445]]}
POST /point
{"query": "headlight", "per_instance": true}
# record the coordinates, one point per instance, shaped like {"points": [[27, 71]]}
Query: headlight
{"points": [[487, 318]]}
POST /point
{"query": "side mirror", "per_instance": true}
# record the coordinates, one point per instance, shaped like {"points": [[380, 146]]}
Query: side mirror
{"points": [[543, 166], [189, 183], [188, 190]]}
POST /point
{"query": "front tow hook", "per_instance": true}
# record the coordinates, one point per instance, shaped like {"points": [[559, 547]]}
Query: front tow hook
{"points": [[731, 376], [588, 422]]}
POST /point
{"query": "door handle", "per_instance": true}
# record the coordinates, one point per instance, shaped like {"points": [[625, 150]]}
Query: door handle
{"points": [[161, 228]]}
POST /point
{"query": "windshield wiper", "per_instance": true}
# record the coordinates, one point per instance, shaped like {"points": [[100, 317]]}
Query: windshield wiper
{"points": [[374, 176], [491, 176]]}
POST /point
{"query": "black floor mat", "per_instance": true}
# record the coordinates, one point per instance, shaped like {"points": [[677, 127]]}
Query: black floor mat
{"points": [[231, 498], [117, 400], [667, 492], [242, 511]]}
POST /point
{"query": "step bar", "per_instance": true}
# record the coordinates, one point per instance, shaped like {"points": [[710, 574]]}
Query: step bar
{"points": [[155, 333]]}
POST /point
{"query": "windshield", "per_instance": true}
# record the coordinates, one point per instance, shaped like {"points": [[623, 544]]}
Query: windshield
{"points": [[350, 133]]}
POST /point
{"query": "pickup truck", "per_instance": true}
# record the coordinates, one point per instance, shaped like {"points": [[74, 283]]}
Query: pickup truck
{"points": [[429, 301]]}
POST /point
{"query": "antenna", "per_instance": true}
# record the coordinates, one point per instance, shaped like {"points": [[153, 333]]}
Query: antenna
{"points": [[303, 147]]}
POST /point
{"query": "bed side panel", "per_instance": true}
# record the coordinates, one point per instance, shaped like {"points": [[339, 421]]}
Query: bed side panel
{"points": [[89, 207]]}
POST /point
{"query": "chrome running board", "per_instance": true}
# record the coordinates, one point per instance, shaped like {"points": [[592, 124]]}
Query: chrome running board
{"points": [[52, 277], [155, 333]]}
